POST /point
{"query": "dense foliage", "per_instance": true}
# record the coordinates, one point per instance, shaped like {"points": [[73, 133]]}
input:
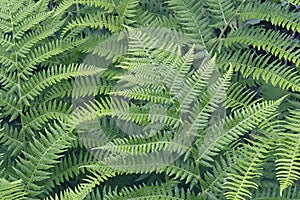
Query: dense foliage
{"points": [[149, 99]]}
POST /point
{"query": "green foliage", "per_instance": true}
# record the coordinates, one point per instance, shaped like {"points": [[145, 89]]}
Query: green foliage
{"points": [[144, 99]]}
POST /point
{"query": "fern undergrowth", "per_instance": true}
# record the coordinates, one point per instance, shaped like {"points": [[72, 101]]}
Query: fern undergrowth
{"points": [[145, 99]]}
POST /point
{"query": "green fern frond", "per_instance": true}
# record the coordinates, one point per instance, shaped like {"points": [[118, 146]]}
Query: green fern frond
{"points": [[38, 117], [288, 153], [184, 171], [66, 4], [156, 191], [99, 20], [241, 177], [114, 47], [239, 97], [294, 2], [213, 181], [44, 52], [157, 20], [146, 94], [12, 140], [140, 144], [91, 110], [40, 156], [208, 102], [261, 67], [55, 74], [38, 34], [272, 12], [99, 175], [226, 131], [69, 167], [196, 83], [140, 163], [12, 190], [272, 193], [276, 43], [222, 12], [192, 17], [126, 10]]}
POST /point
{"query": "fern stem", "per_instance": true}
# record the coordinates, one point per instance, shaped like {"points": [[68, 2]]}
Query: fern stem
{"points": [[19, 78], [225, 28]]}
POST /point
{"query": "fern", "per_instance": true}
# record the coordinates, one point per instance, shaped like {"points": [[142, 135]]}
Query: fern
{"points": [[288, 156], [117, 99], [11, 190], [274, 42], [275, 13]]}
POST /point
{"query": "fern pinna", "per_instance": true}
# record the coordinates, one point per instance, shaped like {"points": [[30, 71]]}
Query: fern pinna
{"points": [[167, 99]]}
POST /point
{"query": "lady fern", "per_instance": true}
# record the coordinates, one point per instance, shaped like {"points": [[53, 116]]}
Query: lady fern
{"points": [[170, 103]]}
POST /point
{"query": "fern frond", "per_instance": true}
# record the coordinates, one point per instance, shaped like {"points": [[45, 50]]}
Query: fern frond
{"points": [[40, 156], [273, 193], [192, 16], [89, 112], [274, 42], [146, 94], [151, 192], [38, 117], [44, 52], [55, 74], [288, 153], [240, 179], [196, 83], [99, 20], [221, 12], [272, 12], [69, 167], [99, 174], [66, 4], [239, 97], [126, 10], [29, 40], [294, 2], [12, 140], [12, 190], [184, 171], [213, 181], [261, 67], [140, 163], [114, 47], [234, 126], [140, 144]]}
